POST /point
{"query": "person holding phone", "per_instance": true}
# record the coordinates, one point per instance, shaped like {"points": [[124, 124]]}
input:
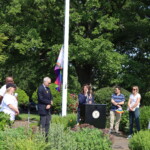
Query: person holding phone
{"points": [[85, 97]]}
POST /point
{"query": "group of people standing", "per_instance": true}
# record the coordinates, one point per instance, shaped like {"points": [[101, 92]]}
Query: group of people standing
{"points": [[9, 104], [8, 98], [117, 101], [133, 105]]}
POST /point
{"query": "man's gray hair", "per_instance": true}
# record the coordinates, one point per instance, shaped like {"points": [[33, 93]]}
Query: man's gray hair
{"points": [[46, 79]]}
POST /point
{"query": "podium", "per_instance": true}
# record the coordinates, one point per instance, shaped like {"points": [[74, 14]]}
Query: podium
{"points": [[94, 114]]}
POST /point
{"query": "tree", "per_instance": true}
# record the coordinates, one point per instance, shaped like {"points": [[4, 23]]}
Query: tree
{"points": [[109, 42]]}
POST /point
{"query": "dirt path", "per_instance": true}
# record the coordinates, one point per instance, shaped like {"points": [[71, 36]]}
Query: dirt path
{"points": [[20, 123], [120, 142]]}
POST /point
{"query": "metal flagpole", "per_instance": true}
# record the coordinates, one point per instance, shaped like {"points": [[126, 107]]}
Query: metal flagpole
{"points": [[65, 67]]}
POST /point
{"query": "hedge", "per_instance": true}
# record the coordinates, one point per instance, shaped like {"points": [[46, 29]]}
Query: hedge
{"points": [[23, 98], [140, 141], [4, 121], [146, 99]]}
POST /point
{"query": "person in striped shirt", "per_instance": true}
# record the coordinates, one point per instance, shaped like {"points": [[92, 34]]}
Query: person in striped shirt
{"points": [[117, 100]]}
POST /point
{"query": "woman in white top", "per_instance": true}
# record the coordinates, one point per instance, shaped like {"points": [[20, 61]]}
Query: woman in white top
{"points": [[133, 107], [9, 102]]}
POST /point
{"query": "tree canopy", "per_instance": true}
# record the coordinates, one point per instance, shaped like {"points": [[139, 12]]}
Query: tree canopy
{"points": [[108, 42]]}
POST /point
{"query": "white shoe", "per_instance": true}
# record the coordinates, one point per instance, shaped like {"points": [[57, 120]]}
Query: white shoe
{"points": [[129, 136]]}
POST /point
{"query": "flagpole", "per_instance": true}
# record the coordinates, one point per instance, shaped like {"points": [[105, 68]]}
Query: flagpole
{"points": [[65, 68]]}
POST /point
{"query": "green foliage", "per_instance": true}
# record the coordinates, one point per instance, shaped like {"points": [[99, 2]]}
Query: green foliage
{"points": [[67, 121], [86, 139], [21, 138], [146, 99], [4, 121], [109, 42], [25, 117], [144, 119], [23, 98], [57, 99], [124, 123], [3, 56], [60, 139], [103, 96], [144, 116], [140, 141]]}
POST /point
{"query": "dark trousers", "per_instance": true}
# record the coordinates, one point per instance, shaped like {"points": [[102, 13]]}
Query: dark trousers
{"points": [[45, 122], [78, 117], [134, 115]]}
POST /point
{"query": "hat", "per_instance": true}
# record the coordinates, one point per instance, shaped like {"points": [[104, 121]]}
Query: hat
{"points": [[10, 85], [119, 111]]}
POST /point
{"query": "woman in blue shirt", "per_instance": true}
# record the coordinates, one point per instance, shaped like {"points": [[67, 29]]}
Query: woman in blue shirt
{"points": [[85, 97]]}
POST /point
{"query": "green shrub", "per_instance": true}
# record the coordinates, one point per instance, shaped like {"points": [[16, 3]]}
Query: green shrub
{"points": [[4, 121], [84, 139], [23, 98], [61, 139], [88, 139], [140, 141], [67, 121], [146, 99], [124, 123], [21, 139], [144, 116], [103, 96], [57, 99], [144, 119]]}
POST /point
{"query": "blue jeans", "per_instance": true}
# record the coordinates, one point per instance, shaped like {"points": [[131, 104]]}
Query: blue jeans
{"points": [[134, 115]]}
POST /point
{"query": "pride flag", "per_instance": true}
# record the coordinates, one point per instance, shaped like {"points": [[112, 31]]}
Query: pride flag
{"points": [[58, 69]]}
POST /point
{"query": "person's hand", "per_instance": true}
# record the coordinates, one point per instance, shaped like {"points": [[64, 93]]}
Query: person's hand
{"points": [[86, 92], [90, 102], [48, 106], [119, 106], [130, 109], [17, 112]]}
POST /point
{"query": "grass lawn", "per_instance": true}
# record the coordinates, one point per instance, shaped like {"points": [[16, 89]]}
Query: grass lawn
{"points": [[35, 117]]}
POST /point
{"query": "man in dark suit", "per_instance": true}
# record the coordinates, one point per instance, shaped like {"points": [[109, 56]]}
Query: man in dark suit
{"points": [[44, 105]]}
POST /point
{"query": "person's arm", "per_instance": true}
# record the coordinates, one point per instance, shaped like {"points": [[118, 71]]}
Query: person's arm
{"points": [[41, 99], [137, 102], [123, 100], [129, 103], [91, 99], [1, 97], [82, 99], [117, 104], [121, 103], [113, 102], [13, 108], [51, 102]]}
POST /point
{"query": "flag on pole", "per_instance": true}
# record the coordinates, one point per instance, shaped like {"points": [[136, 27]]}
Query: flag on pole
{"points": [[58, 69]]}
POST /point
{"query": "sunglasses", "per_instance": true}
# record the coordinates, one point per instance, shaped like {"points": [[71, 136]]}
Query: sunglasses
{"points": [[134, 89]]}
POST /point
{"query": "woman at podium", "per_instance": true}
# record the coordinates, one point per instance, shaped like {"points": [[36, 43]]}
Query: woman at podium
{"points": [[85, 97]]}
